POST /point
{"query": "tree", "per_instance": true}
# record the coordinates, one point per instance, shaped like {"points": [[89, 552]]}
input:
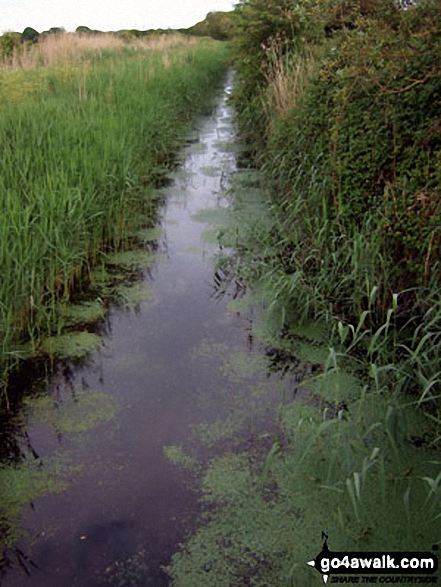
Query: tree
{"points": [[55, 30], [84, 30], [29, 35]]}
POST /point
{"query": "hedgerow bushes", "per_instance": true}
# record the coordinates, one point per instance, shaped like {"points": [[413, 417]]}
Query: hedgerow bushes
{"points": [[343, 105]]}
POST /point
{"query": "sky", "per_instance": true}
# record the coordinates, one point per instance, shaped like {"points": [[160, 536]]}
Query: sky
{"points": [[106, 15]]}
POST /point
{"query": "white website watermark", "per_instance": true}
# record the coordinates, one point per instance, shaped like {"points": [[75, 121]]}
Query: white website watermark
{"points": [[367, 564]]}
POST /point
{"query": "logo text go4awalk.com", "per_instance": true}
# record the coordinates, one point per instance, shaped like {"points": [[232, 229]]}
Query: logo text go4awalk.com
{"points": [[406, 564]]}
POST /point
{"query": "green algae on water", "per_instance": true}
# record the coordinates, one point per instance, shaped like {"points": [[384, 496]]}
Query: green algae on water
{"points": [[192, 251], [210, 171], [213, 433], [212, 215], [245, 535], [229, 147], [211, 236], [80, 413], [130, 572], [240, 365], [114, 285], [234, 363], [196, 148], [73, 345], [131, 296], [21, 484], [85, 313], [149, 234], [134, 259], [346, 463], [181, 174], [177, 456], [268, 527]]}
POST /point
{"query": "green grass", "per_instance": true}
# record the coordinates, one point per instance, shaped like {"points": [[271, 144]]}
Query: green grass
{"points": [[82, 145]]}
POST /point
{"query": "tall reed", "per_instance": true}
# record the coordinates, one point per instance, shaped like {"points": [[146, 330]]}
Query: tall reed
{"points": [[81, 141]]}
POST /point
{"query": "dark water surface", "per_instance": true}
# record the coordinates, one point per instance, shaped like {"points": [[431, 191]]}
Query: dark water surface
{"points": [[128, 498]]}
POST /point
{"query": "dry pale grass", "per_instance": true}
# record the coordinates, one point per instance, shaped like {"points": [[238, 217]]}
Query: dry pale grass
{"points": [[164, 42], [287, 80], [71, 47]]}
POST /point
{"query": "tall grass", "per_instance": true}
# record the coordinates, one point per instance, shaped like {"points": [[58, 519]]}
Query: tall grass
{"points": [[286, 80], [81, 141]]}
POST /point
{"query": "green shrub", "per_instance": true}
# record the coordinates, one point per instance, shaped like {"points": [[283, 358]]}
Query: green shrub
{"points": [[9, 42]]}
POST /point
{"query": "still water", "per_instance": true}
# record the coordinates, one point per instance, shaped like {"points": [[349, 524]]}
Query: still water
{"points": [[160, 366]]}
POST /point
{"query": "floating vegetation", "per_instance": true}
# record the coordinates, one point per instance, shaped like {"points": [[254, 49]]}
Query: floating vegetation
{"points": [[211, 236], [105, 281], [245, 303], [246, 535], [346, 462], [84, 313], [248, 221], [243, 379], [71, 346], [149, 234], [176, 456], [211, 434], [343, 456], [210, 170], [83, 411], [263, 512], [193, 250], [234, 364], [131, 572], [21, 484], [100, 276], [180, 174], [131, 296], [196, 148], [134, 259], [247, 178], [212, 215], [229, 147], [208, 349], [241, 365]]}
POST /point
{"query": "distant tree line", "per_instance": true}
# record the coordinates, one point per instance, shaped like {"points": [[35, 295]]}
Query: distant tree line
{"points": [[217, 25]]}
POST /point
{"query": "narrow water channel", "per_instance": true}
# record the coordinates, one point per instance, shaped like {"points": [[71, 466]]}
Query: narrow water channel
{"points": [[128, 498]]}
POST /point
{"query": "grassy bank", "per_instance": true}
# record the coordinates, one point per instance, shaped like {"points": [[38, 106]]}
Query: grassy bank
{"points": [[86, 128]]}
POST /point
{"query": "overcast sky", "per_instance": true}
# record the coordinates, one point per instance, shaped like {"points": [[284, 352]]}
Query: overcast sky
{"points": [[106, 15]]}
